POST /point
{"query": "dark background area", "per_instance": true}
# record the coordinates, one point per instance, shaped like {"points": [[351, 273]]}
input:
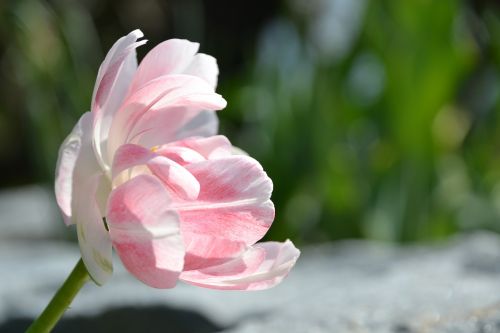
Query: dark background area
{"points": [[375, 119]]}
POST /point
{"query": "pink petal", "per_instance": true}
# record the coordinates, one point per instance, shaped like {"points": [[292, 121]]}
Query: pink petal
{"points": [[234, 201], [112, 84], [194, 150], [175, 177], [111, 66], [162, 106], [205, 67], [213, 147], [261, 267], [181, 155], [170, 57], [204, 250], [145, 231], [176, 56], [204, 124], [162, 126], [182, 99]]}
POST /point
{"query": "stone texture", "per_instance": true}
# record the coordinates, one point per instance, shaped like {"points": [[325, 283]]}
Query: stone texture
{"points": [[29, 212], [349, 286]]}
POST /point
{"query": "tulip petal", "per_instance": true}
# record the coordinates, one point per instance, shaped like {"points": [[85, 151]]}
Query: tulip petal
{"points": [[205, 67], [174, 176], [261, 267], [176, 56], [66, 162], [145, 231], [111, 66], [93, 238], [234, 201], [81, 190], [181, 155], [112, 84], [165, 98], [195, 150], [75, 163], [177, 124], [169, 57], [205, 250], [160, 108], [213, 147], [204, 124]]}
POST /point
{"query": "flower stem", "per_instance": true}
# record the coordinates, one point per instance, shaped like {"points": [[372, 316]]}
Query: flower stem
{"points": [[61, 300]]}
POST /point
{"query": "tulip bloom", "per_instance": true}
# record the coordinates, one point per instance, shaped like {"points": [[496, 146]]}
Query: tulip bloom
{"points": [[145, 173]]}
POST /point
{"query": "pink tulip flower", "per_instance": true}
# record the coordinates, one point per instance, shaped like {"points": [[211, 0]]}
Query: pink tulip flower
{"points": [[145, 173]]}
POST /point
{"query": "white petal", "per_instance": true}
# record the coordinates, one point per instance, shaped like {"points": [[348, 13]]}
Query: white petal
{"points": [[76, 162], [66, 162], [81, 190], [93, 238]]}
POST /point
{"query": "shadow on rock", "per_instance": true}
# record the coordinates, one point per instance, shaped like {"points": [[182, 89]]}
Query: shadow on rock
{"points": [[127, 320]]}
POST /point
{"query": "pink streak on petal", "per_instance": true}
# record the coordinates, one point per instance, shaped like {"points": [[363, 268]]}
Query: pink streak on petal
{"points": [[181, 155], [174, 176], [112, 84], [213, 147], [129, 156], [249, 272], [150, 108], [145, 231], [203, 251], [195, 150], [161, 126], [234, 201], [240, 267], [111, 65], [174, 109]]}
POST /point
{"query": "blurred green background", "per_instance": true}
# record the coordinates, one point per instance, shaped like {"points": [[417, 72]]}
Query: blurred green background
{"points": [[375, 119]]}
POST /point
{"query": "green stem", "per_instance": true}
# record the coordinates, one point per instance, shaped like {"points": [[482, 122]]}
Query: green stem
{"points": [[61, 300]]}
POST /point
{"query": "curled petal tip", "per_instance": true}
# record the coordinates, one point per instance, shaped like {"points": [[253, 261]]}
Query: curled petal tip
{"points": [[137, 33], [223, 102]]}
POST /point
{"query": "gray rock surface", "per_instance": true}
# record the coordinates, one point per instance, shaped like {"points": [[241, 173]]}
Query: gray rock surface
{"points": [[349, 286], [29, 212]]}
